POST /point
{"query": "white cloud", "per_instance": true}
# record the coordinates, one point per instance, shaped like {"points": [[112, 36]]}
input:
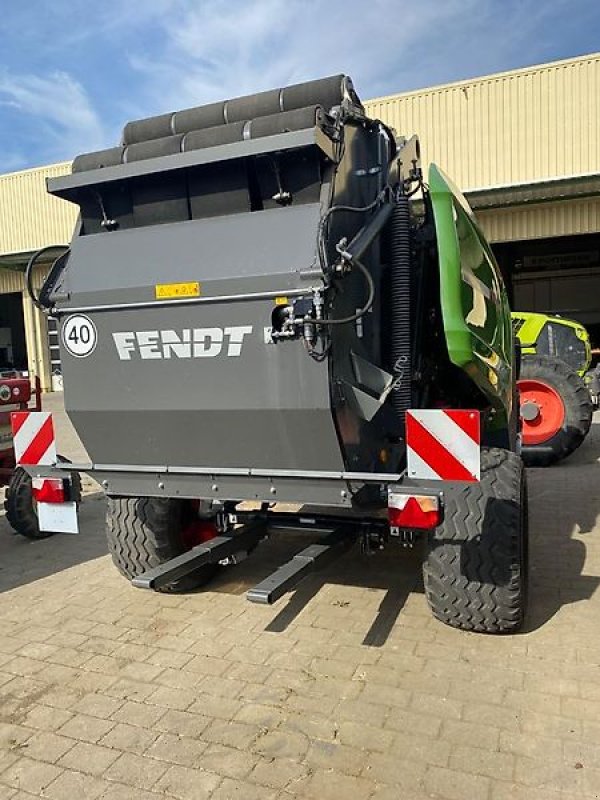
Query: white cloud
{"points": [[64, 115], [160, 55], [222, 48]]}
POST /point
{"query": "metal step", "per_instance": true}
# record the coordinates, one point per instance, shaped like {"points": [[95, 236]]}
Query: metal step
{"points": [[314, 557], [210, 552]]}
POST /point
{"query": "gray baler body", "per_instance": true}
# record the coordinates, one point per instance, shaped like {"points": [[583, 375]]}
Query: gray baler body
{"points": [[191, 395]]}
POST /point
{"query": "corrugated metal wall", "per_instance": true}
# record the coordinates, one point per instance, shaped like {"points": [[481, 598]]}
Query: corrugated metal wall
{"points": [[30, 218], [14, 281], [513, 127], [541, 220]]}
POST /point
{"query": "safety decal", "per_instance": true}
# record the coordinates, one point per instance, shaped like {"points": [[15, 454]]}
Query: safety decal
{"points": [[33, 436], [443, 444]]}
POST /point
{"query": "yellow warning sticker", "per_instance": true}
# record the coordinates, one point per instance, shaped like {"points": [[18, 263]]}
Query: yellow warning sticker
{"points": [[164, 291], [281, 301]]}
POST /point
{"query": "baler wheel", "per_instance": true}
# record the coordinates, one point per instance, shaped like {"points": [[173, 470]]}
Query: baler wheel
{"points": [[144, 532], [475, 571], [556, 410], [20, 506]]}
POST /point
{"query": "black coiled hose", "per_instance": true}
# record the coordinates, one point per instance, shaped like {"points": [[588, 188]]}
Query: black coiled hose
{"points": [[64, 249], [400, 299]]}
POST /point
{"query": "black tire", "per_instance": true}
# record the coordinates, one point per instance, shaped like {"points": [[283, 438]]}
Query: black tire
{"points": [[475, 571], [19, 506], [143, 532], [578, 409]]}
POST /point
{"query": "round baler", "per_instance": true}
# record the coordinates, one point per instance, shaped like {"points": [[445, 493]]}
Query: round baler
{"points": [[260, 295]]}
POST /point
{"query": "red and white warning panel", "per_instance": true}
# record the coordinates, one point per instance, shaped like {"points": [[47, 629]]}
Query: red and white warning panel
{"points": [[33, 436], [443, 444], [35, 445]]}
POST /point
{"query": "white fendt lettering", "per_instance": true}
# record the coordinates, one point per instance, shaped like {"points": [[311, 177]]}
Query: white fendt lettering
{"points": [[189, 343]]}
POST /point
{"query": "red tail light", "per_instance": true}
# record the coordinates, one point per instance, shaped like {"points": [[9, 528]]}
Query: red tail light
{"points": [[414, 511], [49, 490]]}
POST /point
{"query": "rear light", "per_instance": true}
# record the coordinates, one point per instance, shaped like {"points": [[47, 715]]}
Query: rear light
{"points": [[413, 511], [49, 490], [15, 390]]}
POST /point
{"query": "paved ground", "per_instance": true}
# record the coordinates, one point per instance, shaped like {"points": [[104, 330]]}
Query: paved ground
{"points": [[347, 690]]}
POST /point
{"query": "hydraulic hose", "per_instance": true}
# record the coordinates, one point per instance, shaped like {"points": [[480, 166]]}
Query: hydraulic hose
{"points": [[361, 311], [401, 367], [29, 271]]}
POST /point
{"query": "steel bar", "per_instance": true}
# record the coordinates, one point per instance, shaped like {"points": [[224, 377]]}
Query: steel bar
{"points": [[302, 564], [210, 552]]}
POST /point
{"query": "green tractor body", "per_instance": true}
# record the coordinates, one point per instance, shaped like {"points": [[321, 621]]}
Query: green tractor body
{"points": [[541, 334]]}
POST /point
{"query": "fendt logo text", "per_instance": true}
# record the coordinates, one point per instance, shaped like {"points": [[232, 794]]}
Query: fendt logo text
{"points": [[188, 343]]}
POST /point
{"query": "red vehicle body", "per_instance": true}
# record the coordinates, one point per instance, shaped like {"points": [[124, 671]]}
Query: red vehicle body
{"points": [[16, 394]]}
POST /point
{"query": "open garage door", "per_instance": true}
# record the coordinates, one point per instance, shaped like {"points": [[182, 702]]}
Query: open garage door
{"points": [[13, 350], [573, 293], [555, 276]]}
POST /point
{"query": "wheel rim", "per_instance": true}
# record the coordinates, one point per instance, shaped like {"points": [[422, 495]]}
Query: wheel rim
{"points": [[542, 411]]}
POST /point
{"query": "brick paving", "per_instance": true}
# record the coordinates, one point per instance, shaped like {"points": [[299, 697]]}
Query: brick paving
{"points": [[346, 689]]}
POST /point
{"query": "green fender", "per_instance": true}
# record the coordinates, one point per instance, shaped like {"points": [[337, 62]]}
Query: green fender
{"points": [[475, 310]]}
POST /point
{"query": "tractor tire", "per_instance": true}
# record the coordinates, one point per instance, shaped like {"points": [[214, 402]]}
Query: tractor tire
{"points": [[556, 410], [144, 532], [20, 508], [475, 571]]}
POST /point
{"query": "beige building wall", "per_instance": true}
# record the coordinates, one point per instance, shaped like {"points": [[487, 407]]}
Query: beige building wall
{"points": [[541, 220], [509, 128], [30, 218]]}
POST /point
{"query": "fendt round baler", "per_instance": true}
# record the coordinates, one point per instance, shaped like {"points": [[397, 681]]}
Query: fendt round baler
{"points": [[265, 303]]}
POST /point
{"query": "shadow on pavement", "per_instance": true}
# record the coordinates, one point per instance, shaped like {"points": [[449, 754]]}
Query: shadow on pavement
{"points": [[564, 516], [23, 561], [396, 571]]}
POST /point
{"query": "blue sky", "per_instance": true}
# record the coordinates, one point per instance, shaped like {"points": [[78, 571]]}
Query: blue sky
{"points": [[73, 71]]}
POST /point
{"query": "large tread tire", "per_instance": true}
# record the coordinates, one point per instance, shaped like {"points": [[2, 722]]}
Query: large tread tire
{"points": [[19, 506], [475, 571], [578, 409], [144, 532]]}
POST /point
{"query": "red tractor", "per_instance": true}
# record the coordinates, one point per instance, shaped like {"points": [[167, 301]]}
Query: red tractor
{"points": [[16, 394]]}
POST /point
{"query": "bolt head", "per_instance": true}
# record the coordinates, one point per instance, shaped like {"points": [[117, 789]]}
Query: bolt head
{"points": [[344, 494], [214, 487], [273, 490]]}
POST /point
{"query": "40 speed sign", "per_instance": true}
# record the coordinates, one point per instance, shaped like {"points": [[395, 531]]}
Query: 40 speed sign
{"points": [[79, 335]]}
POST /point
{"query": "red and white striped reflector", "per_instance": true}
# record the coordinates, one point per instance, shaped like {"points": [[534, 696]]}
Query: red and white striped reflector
{"points": [[443, 444], [33, 437]]}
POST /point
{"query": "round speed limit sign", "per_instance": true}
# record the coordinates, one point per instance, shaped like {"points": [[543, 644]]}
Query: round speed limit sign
{"points": [[79, 335]]}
